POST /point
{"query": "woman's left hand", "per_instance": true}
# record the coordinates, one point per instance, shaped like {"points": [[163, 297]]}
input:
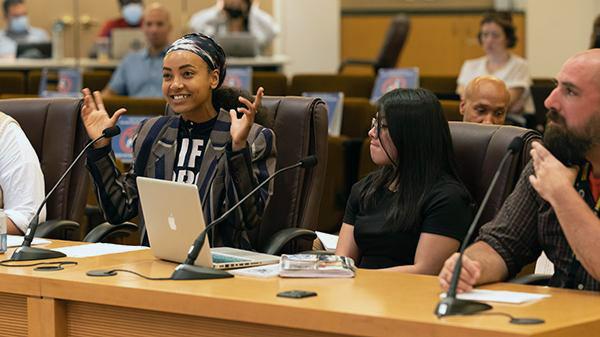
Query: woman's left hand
{"points": [[240, 127]]}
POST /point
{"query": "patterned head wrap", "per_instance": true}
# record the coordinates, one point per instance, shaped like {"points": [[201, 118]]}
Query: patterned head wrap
{"points": [[205, 47]]}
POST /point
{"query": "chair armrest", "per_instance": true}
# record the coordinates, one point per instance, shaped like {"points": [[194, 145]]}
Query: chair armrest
{"points": [[284, 236], [105, 230], [54, 229], [533, 279]]}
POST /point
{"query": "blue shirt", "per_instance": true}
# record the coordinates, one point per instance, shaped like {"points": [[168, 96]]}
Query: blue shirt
{"points": [[138, 75]]}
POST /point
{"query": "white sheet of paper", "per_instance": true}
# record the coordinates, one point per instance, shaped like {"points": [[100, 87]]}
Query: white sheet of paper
{"points": [[329, 241], [502, 296], [270, 270], [97, 249], [17, 240]]}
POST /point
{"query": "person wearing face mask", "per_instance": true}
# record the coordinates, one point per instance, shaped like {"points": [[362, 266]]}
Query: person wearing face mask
{"points": [[18, 29], [235, 16], [412, 213], [140, 73], [212, 139], [132, 12]]}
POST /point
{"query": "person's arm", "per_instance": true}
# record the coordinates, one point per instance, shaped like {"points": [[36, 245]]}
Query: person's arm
{"points": [[250, 164], [432, 251], [346, 246], [554, 182], [516, 104], [116, 192], [505, 244], [107, 92], [118, 81], [21, 179], [262, 26], [481, 264]]}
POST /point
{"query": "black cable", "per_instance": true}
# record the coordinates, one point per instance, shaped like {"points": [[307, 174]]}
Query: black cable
{"points": [[113, 272], [513, 319]]}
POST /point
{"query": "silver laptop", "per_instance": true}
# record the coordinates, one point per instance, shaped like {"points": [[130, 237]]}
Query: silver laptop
{"points": [[239, 44], [174, 218], [126, 40]]}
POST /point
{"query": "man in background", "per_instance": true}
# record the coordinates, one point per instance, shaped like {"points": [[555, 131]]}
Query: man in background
{"points": [[17, 29], [486, 100], [555, 205], [140, 72]]}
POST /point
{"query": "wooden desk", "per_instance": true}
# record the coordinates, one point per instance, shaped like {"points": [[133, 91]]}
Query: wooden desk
{"points": [[68, 303], [274, 62]]}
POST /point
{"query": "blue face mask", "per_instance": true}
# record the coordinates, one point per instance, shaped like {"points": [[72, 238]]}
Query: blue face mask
{"points": [[19, 24], [132, 13]]}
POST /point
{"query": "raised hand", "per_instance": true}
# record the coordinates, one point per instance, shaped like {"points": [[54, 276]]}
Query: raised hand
{"points": [[240, 127], [551, 176], [469, 274], [95, 118]]}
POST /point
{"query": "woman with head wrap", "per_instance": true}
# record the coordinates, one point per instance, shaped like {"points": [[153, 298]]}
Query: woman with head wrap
{"points": [[211, 141]]}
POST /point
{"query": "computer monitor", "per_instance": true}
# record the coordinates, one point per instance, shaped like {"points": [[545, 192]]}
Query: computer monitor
{"points": [[34, 50], [238, 44], [126, 40]]}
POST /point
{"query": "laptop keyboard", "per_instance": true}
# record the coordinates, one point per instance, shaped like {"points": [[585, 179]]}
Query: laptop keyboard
{"points": [[218, 258]]}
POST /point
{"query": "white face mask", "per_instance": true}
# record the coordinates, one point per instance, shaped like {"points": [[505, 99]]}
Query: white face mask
{"points": [[132, 13], [19, 24]]}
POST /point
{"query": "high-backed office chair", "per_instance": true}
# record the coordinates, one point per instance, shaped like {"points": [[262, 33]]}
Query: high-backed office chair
{"points": [[391, 48], [54, 130], [300, 125], [275, 83], [478, 149]]}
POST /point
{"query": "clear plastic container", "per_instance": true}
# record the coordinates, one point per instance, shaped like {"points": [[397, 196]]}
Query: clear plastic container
{"points": [[3, 230]]}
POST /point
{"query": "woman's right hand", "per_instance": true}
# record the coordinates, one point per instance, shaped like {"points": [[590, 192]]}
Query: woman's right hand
{"points": [[95, 118]]}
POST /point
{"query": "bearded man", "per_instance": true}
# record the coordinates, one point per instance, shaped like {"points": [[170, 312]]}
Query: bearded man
{"points": [[554, 207]]}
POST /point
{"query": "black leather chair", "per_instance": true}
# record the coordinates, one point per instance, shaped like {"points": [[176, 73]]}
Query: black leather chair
{"points": [[391, 49], [54, 130], [300, 125]]}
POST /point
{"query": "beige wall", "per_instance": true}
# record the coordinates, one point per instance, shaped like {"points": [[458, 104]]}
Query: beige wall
{"points": [[310, 38], [43, 13], [557, 29]]}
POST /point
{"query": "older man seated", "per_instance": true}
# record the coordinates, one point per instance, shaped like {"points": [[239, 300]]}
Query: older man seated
{"points": [[486, 100]]}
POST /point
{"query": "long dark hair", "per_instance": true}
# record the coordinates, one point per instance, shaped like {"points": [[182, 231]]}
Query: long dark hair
{"points": [[420, 132]]}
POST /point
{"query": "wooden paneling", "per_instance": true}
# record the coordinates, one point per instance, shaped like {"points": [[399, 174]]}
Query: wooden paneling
{"points": [[14, 315], [437, 44], [85, 319]]}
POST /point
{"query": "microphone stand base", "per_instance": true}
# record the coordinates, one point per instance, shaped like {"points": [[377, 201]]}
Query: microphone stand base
{"points": [[190, 272], [450, 306], [25, 253]]}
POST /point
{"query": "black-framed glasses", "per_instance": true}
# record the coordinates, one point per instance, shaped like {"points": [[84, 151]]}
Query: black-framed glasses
{"points": [[378, 125]]}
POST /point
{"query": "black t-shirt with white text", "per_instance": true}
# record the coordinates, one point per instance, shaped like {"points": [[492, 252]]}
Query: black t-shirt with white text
{"points": [[191, 143]]}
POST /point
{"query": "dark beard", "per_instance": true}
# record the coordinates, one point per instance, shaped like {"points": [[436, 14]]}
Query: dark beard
{"points": [[569, 148]]}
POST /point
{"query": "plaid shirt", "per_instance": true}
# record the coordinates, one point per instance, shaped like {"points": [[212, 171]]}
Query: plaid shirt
{"points": [[525, 225]]}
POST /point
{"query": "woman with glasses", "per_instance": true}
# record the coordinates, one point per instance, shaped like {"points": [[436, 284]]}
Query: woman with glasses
{"points": [[412, 213], [496, 37]]}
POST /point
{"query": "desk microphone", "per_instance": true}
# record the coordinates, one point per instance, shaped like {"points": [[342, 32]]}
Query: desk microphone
{"points": [[451, 305], [187, 270], [26, 252]]}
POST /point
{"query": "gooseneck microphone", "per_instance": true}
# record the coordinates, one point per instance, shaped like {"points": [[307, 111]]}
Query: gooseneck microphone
{"points": [[25, 252], [187, 270], [451, 305]]}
